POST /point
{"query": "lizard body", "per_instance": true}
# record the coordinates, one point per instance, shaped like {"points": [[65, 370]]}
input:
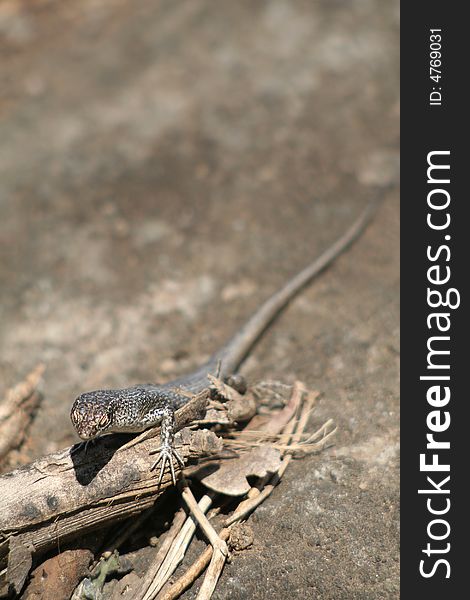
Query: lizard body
{"points": [[137, 408]]}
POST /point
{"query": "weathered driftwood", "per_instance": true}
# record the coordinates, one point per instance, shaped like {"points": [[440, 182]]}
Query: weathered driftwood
{"points": [[17, 411], [68, 493]]}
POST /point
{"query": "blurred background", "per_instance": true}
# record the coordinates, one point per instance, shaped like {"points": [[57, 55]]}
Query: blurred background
{"points": [[164, 167]]}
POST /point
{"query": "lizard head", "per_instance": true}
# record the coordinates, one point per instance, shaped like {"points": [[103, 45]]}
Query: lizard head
{"points": [[92, 414]]}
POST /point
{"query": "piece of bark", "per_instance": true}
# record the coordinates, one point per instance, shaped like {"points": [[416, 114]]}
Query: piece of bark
{"points": [[17, 411], [58, 576], [20, 561], [62, 495], [231, 477]]}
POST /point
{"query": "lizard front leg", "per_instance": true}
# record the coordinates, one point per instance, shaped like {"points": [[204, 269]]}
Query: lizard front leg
{"points": [[167, 452]]}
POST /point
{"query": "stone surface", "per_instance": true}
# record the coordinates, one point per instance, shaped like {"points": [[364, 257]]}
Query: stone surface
{"points": [[164, 166]]}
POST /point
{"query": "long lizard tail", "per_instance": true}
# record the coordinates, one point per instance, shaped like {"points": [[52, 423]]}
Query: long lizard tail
{"points": [[227, 360], [230, 356]]}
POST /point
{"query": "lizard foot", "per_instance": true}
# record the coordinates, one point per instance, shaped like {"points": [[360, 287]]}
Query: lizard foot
{"points": [[167, 455]]}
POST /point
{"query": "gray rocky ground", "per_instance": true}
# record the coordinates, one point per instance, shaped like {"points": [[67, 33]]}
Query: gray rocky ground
{"points": [[164, 166]]}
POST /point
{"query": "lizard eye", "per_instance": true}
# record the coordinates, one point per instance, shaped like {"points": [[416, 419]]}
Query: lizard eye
{"points": [[104, 421]]}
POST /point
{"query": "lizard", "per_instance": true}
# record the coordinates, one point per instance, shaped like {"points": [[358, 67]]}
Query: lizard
{"points": [[137, 408]]}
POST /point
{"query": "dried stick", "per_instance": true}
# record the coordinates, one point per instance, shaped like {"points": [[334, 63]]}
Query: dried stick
{"points": [[219, 547], [17, 409], [176, 552], [193, 572], [293, 431], [167, 543]]}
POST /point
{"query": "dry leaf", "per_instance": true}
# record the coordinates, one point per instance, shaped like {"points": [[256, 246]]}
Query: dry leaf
{"points": [[231, 477]]}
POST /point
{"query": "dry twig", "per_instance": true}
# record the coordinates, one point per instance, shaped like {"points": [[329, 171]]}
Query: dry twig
{"points": [[291, 438], [17, 411], [176, 552]]}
